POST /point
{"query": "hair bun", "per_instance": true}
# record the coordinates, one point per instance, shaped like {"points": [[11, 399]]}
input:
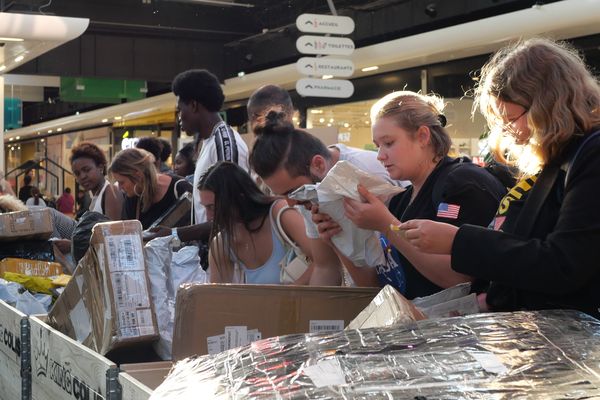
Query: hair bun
{"points": [[274, 122], [442, 119]]}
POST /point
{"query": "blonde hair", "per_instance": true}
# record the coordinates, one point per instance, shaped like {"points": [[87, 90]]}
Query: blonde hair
{"points": [[551, 81], [411, 110], [134, 162]]}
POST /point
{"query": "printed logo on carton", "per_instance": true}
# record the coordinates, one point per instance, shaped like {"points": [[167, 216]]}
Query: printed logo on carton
{"points": [[60, 373], [10, 340]]}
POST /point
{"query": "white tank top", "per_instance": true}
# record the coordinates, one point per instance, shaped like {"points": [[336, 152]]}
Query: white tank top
{"points": [[96, 203]]}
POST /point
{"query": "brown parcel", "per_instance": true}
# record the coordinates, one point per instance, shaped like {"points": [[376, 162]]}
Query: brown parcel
{"points": [[107, 303], [30, 267], [31, 224], [203, 311]]}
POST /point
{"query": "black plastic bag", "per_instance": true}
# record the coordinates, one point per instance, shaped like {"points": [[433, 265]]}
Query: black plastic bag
{"points": [[80, 241]]}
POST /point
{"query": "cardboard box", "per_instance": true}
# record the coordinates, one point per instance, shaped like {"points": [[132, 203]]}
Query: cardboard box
{"points": [[31, 224], [150, 374], [210, 318], [30, 267], [107, 304], [388, 308]]}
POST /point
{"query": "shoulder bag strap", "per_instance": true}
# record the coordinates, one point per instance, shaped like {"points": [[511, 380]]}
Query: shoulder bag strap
{"points": [[571, 161]]}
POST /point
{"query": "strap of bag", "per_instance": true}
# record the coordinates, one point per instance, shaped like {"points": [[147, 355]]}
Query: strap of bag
{"points": [[281, 232], [175, 193]]}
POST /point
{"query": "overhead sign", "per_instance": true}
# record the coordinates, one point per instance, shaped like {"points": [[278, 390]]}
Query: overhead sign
{"points": [[309, 44], [316, 23], [339, 88], [325, 66]]}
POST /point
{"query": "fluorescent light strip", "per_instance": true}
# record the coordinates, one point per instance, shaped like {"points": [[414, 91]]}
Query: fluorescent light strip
{"points": [[11, 39], [367, 69]]}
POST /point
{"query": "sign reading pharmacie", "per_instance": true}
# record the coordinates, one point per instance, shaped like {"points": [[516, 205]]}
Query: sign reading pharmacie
{"points": [[317, 23], [325, 66], [338, 88]]}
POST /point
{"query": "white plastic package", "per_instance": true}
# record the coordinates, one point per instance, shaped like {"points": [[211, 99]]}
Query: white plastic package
{"points": [[167, 270], [361, 246], [29, 304]]}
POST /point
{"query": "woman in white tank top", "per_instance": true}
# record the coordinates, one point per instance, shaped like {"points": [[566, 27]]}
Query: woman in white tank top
{"points": [[88, 163]]}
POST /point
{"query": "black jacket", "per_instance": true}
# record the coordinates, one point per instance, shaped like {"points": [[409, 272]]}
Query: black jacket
{"points": [[558, 264]]}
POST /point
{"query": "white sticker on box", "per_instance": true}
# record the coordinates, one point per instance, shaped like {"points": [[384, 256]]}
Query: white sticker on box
{"points": [[253, 335], [489, 361], [145, 322], [326, 373], [130, 290], [235, 336], [80, 319], [215, 344], [325, 325], [125, 252]]}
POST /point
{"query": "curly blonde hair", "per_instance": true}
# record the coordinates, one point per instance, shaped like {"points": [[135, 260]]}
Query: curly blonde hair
{"points": [[128, 162], [551, 81], [9, 203], [410, 110]]}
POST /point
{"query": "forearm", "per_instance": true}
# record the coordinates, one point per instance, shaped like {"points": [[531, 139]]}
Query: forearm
{"points": [[435, 267], [327, 268], [364, 276], [195, 232]]}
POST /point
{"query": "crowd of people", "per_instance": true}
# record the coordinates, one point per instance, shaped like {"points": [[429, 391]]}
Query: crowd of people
{"points": [[531, 246]]}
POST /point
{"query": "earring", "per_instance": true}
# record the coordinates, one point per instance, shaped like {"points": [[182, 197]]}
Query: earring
{"points": [[135, 190]]}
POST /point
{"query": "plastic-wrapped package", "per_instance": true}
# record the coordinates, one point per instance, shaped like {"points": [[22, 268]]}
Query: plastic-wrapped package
{"points": [[361, 246], [167, 270], [521, 355]]}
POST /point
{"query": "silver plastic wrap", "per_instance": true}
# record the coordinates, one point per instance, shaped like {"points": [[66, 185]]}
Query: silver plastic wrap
{"points": [[532, 355]]}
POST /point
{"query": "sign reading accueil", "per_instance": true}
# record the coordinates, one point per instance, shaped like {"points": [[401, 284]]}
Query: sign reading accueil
{"points": [[339, 88], [325, 66], [309, 44], [316, 23]]}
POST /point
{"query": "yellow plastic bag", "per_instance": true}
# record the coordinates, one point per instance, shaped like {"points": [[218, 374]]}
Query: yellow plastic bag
{"points": [[38, 284]]}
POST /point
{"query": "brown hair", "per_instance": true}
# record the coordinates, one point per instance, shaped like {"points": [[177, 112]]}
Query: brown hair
{"points": [[552, 82], [410, 110], [129, 161]]}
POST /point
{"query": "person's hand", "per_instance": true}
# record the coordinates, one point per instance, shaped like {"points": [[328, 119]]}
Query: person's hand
{"points": [[373, 214], [326, 226], [153, 233], [429, 236]]}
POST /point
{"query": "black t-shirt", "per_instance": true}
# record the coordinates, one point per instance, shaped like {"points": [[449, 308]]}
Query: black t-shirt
{"points": [[157, 209], [468, 194]]}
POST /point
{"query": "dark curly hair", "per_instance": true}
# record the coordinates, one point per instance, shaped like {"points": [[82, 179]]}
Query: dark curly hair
{"points": [[199, 85], [89, 150]]}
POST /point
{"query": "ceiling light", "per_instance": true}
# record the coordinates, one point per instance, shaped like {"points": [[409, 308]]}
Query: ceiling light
{"points": [[331, 120], [2, 67], [346, 124], [241, 73], [321, 120], [327, 76], [372, 68], [59, 130], [328, 124], [11, 39], [18, 137], [118, 118], [10, 139], [42, 140], [49, 130], [104, 121], [316, 111], [19, 59]]}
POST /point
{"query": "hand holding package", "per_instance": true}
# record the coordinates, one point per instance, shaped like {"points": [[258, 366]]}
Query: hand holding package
{"points": [[361, 246]]}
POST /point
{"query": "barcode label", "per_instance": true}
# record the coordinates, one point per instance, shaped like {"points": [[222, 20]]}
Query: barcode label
{"points": [[323, 325], [125, 252], [130, 290], [215, 344], [236, 336]]}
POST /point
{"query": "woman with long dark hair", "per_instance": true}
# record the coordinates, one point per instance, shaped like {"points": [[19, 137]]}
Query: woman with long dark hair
{"points": [[245, 245]]}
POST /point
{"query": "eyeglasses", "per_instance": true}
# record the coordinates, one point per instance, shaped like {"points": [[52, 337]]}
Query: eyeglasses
{"points": [[515, 119]]}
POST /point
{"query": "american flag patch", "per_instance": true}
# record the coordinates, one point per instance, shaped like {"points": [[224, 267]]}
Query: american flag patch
{"points": [[446, 210]]}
